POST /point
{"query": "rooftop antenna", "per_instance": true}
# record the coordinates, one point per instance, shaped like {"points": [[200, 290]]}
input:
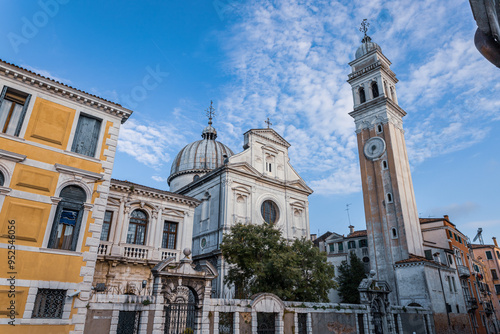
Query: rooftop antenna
{"points": [[347, 209], [479, 236]]}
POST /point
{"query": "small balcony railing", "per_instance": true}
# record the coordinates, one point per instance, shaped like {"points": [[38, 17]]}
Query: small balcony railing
{"points": [[472, 303], [463, 271], [104, 248], [136, 252]]}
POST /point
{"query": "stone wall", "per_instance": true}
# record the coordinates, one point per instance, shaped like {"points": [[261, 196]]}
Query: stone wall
{"points": [[243, 315]]}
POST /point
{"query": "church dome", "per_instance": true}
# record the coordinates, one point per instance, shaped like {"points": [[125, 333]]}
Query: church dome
{"points": [[201, 156], [366, 46]]}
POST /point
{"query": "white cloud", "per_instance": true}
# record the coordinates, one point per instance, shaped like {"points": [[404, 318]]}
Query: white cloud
{"points": [[47, 74], [455, 210], [290, 64], [151, 143], [159, 178]]}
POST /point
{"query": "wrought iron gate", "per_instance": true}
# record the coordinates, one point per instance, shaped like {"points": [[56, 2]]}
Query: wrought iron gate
{"points": [[266, 323], [179, 317], [128, 322]]}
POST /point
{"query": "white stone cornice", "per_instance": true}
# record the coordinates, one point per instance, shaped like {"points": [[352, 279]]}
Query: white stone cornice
{"points": [[55, 200], [16, 157], [381, 111], [32, 79], [77, 171], [4, 190]]}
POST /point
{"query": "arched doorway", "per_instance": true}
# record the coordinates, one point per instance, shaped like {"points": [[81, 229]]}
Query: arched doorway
{"points": [[181, 311]]}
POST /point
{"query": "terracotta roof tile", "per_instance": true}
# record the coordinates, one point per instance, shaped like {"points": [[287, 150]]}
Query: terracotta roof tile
{"points": [[356, 234], [416, 258]]}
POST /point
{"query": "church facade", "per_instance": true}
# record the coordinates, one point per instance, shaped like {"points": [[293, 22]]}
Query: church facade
{"points": [[255, 186]]}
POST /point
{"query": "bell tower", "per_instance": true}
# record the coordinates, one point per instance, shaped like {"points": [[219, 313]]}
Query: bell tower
{"points": [[391, 212]]}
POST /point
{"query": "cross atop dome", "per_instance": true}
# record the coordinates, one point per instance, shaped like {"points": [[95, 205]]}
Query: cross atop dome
{"points": [[209, 132], [364, 29], [210, 113]]}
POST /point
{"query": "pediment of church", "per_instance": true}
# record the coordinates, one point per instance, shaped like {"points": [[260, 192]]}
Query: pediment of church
{"points": [[270, 135], [300, 184], [245, 168]]}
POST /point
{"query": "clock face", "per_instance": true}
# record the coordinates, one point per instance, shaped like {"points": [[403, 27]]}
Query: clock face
{"points": [[374, 148]]}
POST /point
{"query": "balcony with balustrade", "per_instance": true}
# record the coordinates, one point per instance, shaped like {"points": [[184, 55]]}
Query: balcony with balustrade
{"points": [[463, 271], [134, 253]]}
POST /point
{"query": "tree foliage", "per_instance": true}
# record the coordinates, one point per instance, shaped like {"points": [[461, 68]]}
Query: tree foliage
{"points": [[261, 260], [349, 276]]}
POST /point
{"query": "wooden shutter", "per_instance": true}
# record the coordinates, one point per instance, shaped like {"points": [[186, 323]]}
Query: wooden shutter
{"points": [[86, 136]]}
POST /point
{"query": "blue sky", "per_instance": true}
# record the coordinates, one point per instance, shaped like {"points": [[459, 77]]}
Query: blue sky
{"points": [[286, 60]]}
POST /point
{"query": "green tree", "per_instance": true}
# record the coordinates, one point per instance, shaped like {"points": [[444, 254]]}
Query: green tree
{"points": [[261, 260], [349, 276]]}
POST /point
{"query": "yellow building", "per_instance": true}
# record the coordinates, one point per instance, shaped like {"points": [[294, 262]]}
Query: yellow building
{"points": [[57, 147]]}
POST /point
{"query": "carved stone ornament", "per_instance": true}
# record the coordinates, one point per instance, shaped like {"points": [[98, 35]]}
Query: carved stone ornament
{"points": [[179, 295]]}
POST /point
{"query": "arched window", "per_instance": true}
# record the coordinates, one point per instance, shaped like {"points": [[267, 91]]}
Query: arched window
{"points": [[362, 96], [196, 177], [68, 218], [2, 179], [394, 232], [137, 226], [375, 92]]}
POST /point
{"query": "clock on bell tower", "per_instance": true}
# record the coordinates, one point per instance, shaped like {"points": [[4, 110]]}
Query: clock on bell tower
{"points": [[391, 213]]}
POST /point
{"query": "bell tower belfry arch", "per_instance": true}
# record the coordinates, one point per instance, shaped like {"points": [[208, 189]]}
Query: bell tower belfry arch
{"points": [[391, 213]]}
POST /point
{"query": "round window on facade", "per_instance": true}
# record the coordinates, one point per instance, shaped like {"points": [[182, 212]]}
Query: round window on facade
{"points": [[366, 259], [203, 243], [270, 212]]}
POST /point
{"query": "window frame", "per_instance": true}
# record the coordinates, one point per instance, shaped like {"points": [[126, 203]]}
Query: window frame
{"points": [[340, 246], [489, 256], [268, 215], [351, 244], [2, 179], [40, 306], [70, 204], [25, 105], [95, 136], [166, 233], [109, 223], [494, 274], [145, 224]]}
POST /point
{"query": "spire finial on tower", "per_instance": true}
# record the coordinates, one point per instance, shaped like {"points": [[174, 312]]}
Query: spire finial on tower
{"points": [[364, 29], [210, 113]]}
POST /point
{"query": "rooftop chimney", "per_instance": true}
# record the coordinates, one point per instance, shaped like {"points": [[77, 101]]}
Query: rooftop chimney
{"points": [[495, 241], [313, 237], [446, 217], [351, 228]]}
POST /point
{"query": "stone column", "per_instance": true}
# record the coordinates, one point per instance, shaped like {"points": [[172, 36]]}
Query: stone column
{"points": [[236, 323]]}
